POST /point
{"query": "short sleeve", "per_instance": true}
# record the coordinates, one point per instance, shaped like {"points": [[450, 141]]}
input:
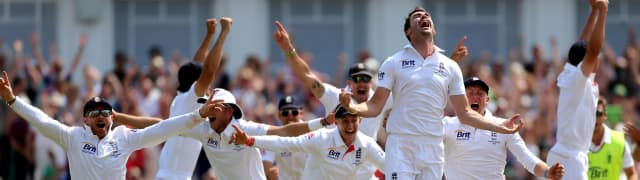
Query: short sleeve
{"points": [[456, 84], [330, 98], [627, 159], [386, 74]]}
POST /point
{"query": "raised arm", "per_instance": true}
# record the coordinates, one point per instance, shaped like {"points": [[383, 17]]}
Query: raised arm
{"points": [[585, 35], [371, 108], [299, 67], [204, 46], [173, 126], [302, 143], [295, 129], [471, 117], [596, 39], [37, 52], [49, 127], [212, 63], [77, 57], [137, 122]]}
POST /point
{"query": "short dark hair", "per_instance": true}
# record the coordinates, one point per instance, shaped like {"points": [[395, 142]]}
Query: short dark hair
{"points": [[407, 20], [577, 52]]}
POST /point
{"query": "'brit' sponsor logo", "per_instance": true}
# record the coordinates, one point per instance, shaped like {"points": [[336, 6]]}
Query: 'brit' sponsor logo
{"points": [[333, 154], [462, 135], [89, 148], [380, 75], [212, 143], [408, 63]]}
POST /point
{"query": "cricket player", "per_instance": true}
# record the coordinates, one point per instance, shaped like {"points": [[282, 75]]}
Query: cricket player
{"points": [[609, 154], [473, 153], [234, 161], [180, 154], [578, 97], [96, 150], [421, 79], [334, 153]]}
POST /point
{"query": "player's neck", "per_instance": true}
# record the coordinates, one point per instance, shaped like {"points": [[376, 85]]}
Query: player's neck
{"points": [[426, 47], [598, 134], [348, 139]]}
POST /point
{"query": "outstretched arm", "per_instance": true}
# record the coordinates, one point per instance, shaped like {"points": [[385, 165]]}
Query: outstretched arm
{"points": [[471, 117], [371, 108], [533, 164], [295, 129], [302, 143], [77, 57], [204, 46], [299, 67], [596, 39], [212, 63], [585, 35], [50, 128], [137, 122]]}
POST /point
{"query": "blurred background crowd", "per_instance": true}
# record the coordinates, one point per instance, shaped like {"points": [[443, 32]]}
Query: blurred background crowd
{"points": [[522, 80]]}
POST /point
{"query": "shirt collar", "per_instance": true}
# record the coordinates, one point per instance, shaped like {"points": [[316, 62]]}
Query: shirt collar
{"points": [[409, 46], [606, 137], [228, 131], [87, 129], [338, 142]]}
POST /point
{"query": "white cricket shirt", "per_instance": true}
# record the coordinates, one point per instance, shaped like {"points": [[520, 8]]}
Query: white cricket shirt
{"points": [[180, 154], [329, 156], [420, 90], [230, 161], [368, 126], [94, 158], [473, 153], [576, 110]]}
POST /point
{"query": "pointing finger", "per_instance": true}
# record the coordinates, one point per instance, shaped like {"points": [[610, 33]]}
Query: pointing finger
{"points": [[280, 27], [461, 42]]}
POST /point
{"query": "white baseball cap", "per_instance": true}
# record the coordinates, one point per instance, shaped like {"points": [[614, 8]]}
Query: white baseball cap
{"points": [[229, 99]]}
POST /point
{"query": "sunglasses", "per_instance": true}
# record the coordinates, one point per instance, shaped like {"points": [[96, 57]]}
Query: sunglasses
{"points": [[96, 113], [599, 113], [287, 112], [358, 79]]}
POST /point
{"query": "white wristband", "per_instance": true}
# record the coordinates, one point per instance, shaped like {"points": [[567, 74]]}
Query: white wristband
{"points": [[315, 124]]}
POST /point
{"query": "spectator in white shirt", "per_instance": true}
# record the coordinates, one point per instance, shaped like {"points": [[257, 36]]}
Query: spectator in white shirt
{"points": [[336, 153], [577, 101], [96, 150], [480, 154]]}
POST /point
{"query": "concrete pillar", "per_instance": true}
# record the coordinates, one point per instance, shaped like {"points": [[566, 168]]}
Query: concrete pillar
{"points": [[542, 19], [71, 17], [385, 22], [250, 32]]}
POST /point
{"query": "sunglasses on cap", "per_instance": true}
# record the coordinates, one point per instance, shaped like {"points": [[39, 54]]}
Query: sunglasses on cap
{"points": [[287, 112], [358, 79], [96, 113]]}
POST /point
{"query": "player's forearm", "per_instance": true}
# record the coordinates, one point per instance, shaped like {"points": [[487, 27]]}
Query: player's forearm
{"points": [[211, 64], [540, 168], [295, 129], [369, 109], [597, 39], [474, 119], [631, 173], [42, 122], [173, 126], [138, 122], [588, 27], [281, 144], [202, 50]]}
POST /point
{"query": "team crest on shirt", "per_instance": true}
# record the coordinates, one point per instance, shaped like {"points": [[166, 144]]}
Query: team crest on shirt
{"points": [[358, 157], [406, 63], [440, 70], [494, 138], [286, 154], [89, 148], [462, 135], [213, 143], [114, 149], [380, 76]]}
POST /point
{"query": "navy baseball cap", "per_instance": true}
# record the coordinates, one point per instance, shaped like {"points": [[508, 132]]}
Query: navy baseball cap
{"points": [[475, 81], [577, 52], [188, 73], [289, 102], [94, 103], [342, 112], [359, 69]]}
